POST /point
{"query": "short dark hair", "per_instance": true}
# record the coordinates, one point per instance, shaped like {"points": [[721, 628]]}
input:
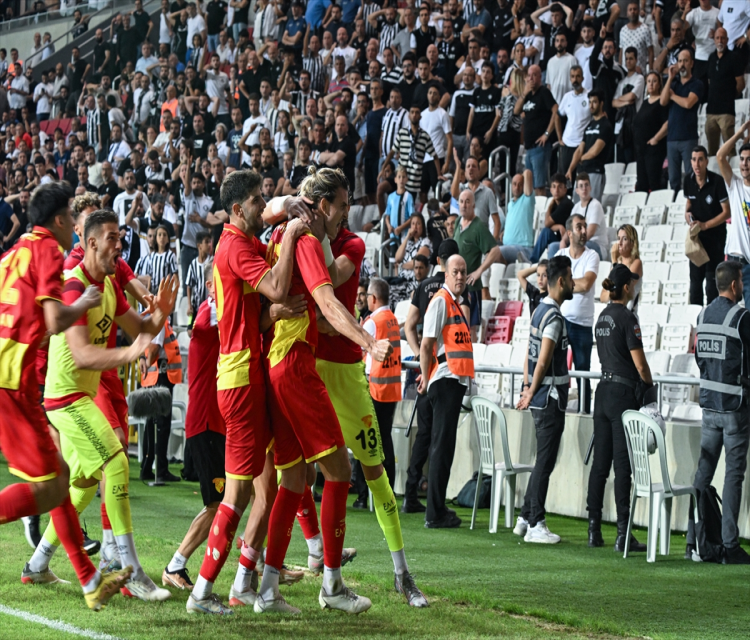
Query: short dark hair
{"points": [[582, 175], [198, 176], [423, 60], [598, 94], [97, 220], [699, 148], [201, 236], [559, 178], [727, 272], [744, 147], [569, 222], [48, 201], [254, 96], [237, 187], [420, 258], [557, 268], [364, 283], [632, 50]]}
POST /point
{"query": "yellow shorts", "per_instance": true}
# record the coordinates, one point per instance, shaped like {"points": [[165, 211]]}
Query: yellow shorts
{"points": [[87, 439], [349, 391]]}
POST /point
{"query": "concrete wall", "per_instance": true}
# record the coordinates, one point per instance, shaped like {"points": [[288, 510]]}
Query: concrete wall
{"points": [[569, 480]]}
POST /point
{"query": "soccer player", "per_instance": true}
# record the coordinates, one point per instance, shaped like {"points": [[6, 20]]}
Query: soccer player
{"points": [[110, 397], [30, 305], [241, 275], [305, 426], [76, 360]]}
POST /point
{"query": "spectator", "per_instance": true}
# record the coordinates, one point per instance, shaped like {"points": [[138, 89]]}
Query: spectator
{"points": [[534, 293], [540, 114], [460, 110], [518, 235], [628, 99], [18, 90], [485, 203], [558, 68], [558, 211], [342, 151], [583, 53], [484, 116], [450, 50], [424, 35], [534, 44], [400, 207], [579, 310], [650, 136], [637, 35], [726, 81], [78, 70], [677, 43], [735, 18], [426, 81], [625, 250], [119, 150], [560, 22], [130, 204], [435, 122], [196, 280], [575, 108], [421, 268], [196, 25], [606, 73], [597, 237], [197, 207], [509, 127], [477, 22], [682, 96], [597, 146], [706, 205], [108, 189], [415, 243], [702, 20]]}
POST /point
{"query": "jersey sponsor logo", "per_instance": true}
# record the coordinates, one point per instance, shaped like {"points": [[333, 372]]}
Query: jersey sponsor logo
{"points": [[712, 347], [103, 325]]}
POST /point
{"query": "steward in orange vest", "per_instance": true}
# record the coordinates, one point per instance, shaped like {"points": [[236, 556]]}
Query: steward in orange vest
{"points": [[163, 358], [447, 365]]}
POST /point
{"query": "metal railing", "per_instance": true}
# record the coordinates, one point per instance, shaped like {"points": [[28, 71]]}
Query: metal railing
{"points": [[584, 375], [504, 176], [53, 13]]}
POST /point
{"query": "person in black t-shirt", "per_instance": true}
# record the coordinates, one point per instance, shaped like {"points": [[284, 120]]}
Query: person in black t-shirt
{"points": [[427, 80], [562, 20], [595, 149], [557, 214], [424, 35], [216, 13], [342, 151], [450, 49], [624, 371], [485, 110], [300, 170], [201, 139], [725, 76], [535, 294]]}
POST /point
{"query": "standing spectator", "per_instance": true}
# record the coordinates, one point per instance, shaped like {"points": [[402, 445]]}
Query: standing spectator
{"points": [[558, 68], [34, 58], [197, 207], [533, 43], [540, 114], [702, 21], [78, 71], [706, 205], [595, 150], [485, 203], [484, 116], [196, 279], [424, 35], [342, 151], [597, 237], [196, 25], [561, 20], [626, 251], [509, 127], [676, 44], [557, 214], [734, 16], [628, 99], [450, 50], [108, 189], [579, 310], [606, 73], [518, 235], [313, 63], [435, 122], [427, 80], [738, 231], [142, 24], [682, 96], [636, 34], [534, 293], [545, 392], [447, 368], [477, 22], [400, 207], [650, 136], [18, 90], [43, 98], [575, 108], [583, 52], [215, 16], [415, 243], [726, 81], [372, 140], [459, 111]]}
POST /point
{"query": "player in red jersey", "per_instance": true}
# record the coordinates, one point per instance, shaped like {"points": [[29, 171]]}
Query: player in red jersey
{"points": [[31, 305], [110, 398], [241, 275], [305, 426]]}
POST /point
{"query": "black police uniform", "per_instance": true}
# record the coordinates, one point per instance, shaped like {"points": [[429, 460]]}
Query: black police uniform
{"points": [[617, 333], [547, 406]]}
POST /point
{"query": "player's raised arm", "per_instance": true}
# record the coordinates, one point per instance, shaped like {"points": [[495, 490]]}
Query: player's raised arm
{"points": [[59, 317]]}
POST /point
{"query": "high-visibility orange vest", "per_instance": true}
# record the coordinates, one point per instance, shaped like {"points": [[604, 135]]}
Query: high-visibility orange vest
{"points": [[456, 338], [385, 377], [169, 353]]}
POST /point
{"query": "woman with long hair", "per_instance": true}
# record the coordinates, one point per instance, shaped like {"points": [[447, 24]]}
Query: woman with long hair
{"points": [[625, 251], [509, 129], [415, 243], [650, 136]]}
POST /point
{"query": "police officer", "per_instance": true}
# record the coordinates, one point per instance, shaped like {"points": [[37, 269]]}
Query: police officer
{"points": [[624, 366], [723, 332], [546, 395]]}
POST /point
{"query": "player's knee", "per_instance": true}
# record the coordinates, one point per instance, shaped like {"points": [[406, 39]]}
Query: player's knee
{"points": [[117, 469], [311, 473]]}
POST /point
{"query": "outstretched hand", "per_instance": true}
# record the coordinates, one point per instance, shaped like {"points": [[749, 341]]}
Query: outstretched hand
{"points": [[167, 295]]}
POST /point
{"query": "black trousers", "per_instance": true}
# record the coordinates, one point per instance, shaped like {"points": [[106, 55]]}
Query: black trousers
{"points": [[706, 272], [566, 157], [549, 424], [610, 446], [512, 140], [649, 163], [385, 412], [160, 428], [421, 449], [445, 397]]}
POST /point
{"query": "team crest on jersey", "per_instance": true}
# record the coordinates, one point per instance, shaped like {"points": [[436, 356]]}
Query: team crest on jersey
{"points": [[219, 484]]}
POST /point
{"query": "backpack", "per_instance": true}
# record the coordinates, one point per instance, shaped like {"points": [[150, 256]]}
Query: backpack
{"points": [[465, 497], [708, 531]]}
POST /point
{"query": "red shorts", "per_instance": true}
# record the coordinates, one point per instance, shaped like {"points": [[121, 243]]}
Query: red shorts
{"points": [[24, 436], [110, 399], [304, 422], [248, 432]]}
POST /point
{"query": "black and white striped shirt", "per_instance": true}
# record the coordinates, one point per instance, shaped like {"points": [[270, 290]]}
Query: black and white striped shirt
{"points": [[92, 127], [299, 100], [469, 9], [367, 10], [318, 72], [196, 280], [393, 77], [158, 266], [387, 33], [392, 122], [411, 152]]}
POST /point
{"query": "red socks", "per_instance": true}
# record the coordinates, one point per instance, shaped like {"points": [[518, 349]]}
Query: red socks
{"points": [[248, 557], [105, 518], [333, 521], [280, 526], [16, 502], [65, 519], [307, 515], [220, 540]]}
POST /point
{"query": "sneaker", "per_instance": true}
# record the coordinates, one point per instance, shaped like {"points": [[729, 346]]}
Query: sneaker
{"points": [[91, 547], [40, 577], [274, 605], [316, 563], [406, 586], [145, 589], [344, 600], [243, 598], [108, 586], [689, 551], [31, 530], [179, 579], [521, 526], [541, 534], [211, 605], [288, 577]]}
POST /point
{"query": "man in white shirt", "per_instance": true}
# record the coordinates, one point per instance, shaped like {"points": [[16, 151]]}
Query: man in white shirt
{"points": [[35, 58], [131, 204], [702, 21], [43, 99], [343, 49], [197, 207], [575, 107], [118, 148], [579, 312], [738, 232], [636, 34], [18, 90], [558, 68], [217, 83], [255, 122], [196, 24], [435, 122], [734, 16], [142, 98], [148, 61], [583, 53], [631, 88], [165, 24], [596, 222]]}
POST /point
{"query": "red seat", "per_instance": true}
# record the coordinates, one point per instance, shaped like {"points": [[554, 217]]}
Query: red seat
{"points": [[64, 124], [52, 125], [512, 309], [499, 329]]}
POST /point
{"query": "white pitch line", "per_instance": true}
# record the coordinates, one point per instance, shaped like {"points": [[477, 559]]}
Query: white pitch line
{"points": [[58, 625]]}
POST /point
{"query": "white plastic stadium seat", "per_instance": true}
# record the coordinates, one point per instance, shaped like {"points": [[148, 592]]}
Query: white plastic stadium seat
{"points": [[658, 362], [713, 164], [655, 271], [676, 213], [508, 289], [604, 269], [650, 336], [658, 313], [676, 292], [488, 309], [690, 412], [653, 214], [636, 199], [680, 270], [688, 313], [521, 331], [489, 384], [624, 215], [627, 184], [661, 196], [659, 233], [402, 310], [631, 169], [675, 252], [652, 251], [478, 351], [676, 338], [512, 269], [679, 232], [612, 174], [497, 271], [680, 198], [650, 292]]}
